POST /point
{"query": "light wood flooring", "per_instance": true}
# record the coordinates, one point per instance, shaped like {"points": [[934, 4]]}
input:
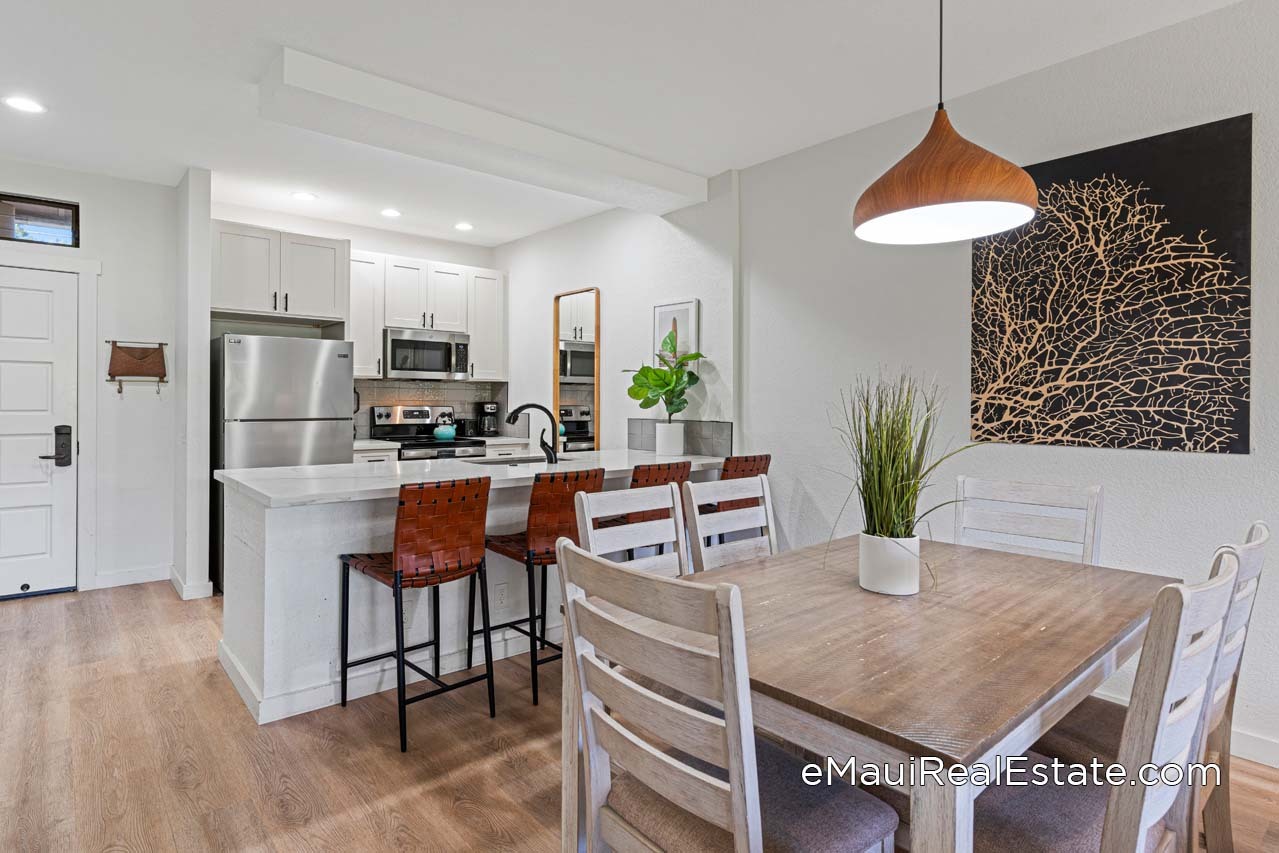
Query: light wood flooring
{"points": [[119, 731]]}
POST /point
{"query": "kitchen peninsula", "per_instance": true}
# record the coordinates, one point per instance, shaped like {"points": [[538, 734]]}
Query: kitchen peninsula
{"points": [[286, 527]]}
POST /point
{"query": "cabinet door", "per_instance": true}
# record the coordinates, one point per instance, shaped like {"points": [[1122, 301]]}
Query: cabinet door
{"points": [[246, 268], [368, 284], [314, 276], [584, 314], [568, 329], [488, 325], [446, 301], [405, 293]]}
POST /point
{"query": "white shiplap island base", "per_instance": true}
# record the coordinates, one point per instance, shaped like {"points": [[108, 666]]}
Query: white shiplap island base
{"points": [[284, 530]]}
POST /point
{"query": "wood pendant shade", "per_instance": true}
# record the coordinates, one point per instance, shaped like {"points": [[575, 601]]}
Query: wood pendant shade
{"points": [[946, 189]]}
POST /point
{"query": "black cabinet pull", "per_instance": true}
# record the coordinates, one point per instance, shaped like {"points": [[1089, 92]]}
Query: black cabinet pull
{"points": [[275, 301], [286, 302], [432, 319], [379, 366], [423, 319]]}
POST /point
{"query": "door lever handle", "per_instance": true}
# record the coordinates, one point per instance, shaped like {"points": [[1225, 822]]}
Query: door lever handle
{"points": [[48, 456]]}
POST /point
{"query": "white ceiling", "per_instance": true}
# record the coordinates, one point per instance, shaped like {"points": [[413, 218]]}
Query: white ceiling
{"points": [[144, 88]]}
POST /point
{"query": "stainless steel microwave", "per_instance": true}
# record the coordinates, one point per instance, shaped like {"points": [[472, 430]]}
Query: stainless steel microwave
{"points": [[577, 362], [414, 354]]}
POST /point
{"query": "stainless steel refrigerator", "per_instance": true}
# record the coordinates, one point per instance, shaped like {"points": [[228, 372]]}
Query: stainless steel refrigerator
{"points": [[277, 402]]}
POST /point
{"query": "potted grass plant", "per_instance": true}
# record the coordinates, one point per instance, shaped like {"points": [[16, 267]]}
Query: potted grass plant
{"points": [[667, 384], [889, 428]]}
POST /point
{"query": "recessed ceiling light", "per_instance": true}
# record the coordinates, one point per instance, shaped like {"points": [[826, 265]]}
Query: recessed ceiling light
{"points": [[391, 212], [26, 105], [303, 195], [464, 226]]}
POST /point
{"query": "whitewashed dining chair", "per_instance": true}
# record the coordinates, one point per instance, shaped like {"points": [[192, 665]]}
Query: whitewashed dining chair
{"points": [[660, 775], [1162, 727], [658, 524], [1058, 522], [1213, 806], [734, 507]]}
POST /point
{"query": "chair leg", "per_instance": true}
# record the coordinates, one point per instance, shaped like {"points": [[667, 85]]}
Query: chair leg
{"points": [[541, 619], [399, 664], [344, 630], [488, 643], [532, 627], [1215, 818], [435, 626], [470, 626]]}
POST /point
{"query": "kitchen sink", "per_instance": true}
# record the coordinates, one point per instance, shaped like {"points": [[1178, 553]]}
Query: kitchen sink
{"points": [[513, 460]]}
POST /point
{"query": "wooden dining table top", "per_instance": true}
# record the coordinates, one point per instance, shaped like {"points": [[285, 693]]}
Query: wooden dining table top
{"points": [[946, 673]]}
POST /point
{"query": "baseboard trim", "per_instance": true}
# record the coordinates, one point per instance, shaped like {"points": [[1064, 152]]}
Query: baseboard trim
{"points": [[189, 592], [369, 679], [1250, 746], [146, 574]]}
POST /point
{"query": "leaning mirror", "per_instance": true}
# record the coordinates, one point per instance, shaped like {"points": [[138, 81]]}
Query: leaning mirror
{"points": [[576, 320]]}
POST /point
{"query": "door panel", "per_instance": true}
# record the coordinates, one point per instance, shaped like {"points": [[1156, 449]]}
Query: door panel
{"points": [[446, 298], [273, 444], [37, 392], [488, 325], [312, 275], [405, 293], [246, 268], [286, 378], [367, 294]]}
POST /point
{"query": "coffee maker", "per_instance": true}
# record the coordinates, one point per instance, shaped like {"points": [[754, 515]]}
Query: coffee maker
{"points": [[487, 418]]}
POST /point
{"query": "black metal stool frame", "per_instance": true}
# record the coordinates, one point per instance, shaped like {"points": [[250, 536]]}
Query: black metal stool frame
{"points": [[535, 622]]}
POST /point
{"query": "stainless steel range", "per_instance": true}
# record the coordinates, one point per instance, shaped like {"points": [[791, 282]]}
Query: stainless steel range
{"points": [[579, 427], [414, 428]]}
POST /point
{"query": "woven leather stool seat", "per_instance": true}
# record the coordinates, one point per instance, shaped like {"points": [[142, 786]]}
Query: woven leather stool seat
{"points": [[380, 567]]}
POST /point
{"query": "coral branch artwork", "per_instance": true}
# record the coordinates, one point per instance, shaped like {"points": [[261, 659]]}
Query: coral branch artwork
{"points": [[1120, 316]]}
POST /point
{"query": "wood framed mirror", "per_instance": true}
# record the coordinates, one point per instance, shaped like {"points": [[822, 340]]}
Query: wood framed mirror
{"points": [[576, 368]]}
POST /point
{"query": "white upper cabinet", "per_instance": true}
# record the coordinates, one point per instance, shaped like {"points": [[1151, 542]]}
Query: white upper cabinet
{"points": [[246, 268], [447, 298], [368, 272], [314, 276], [577, 317], [488, 325], [406, 293], [259, 271]]}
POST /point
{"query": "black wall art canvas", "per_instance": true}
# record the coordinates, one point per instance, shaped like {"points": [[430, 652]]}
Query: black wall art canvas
{"points": [[1119, 316]]}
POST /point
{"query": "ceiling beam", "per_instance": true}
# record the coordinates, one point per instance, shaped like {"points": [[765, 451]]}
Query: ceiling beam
{"points": [[322, 96]]}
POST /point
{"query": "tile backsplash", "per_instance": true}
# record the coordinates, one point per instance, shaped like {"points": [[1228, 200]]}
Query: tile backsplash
{"points": [[462, 396], [701, 438]]}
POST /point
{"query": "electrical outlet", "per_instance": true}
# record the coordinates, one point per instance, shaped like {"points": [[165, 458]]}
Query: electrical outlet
{"points": [[499, 596]]}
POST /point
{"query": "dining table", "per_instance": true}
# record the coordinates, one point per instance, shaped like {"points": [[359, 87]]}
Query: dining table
{"points": [[992, 652]]}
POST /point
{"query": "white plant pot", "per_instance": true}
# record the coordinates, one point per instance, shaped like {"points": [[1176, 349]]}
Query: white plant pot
{"points": [[670, 439], [889, 566]]}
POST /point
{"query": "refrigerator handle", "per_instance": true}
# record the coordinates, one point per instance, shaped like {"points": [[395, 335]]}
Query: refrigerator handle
{"points": [[357, 401]]}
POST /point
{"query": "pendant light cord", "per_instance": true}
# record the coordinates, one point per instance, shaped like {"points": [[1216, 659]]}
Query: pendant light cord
{"points": [[941, 44]]}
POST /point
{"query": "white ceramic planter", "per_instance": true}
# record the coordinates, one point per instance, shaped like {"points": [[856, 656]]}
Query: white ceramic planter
{"points": [[890, 566], [670, 439]]}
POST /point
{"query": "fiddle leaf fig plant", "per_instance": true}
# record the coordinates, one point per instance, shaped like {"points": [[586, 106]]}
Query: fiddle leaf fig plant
{"points": [[668, 383]]}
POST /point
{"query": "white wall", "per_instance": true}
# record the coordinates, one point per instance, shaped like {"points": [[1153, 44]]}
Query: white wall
{"points": [[824, 307], [130, 228], [362, 239], [637, 261]]}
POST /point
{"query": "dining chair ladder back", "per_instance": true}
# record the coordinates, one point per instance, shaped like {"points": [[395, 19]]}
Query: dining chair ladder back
{"points": [[722, 535], [1039, 520], [664, 534]]}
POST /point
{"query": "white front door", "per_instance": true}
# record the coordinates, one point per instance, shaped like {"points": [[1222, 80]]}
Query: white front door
{"points": [[37, 392]]}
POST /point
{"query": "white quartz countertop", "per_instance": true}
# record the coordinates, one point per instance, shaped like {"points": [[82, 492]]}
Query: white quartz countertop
{"points": [[365, 444], [321, 484]]}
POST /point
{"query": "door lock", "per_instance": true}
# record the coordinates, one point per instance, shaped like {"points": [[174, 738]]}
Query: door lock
{"points": [[61, 455]]}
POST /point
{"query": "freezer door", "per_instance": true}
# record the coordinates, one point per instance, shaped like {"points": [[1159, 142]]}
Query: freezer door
{"points": [[274, 444], [266, 378]]}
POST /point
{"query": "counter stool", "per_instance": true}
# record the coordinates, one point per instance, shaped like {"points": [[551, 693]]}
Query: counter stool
{"points": [[551, 514], [439, 537], [736, 468]]}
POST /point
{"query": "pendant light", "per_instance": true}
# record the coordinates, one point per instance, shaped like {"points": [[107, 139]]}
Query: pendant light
{"points": [[946, 189]]}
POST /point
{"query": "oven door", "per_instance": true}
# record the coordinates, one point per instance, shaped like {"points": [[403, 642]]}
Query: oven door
{"points": [[577, 363], [408, 354]]}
